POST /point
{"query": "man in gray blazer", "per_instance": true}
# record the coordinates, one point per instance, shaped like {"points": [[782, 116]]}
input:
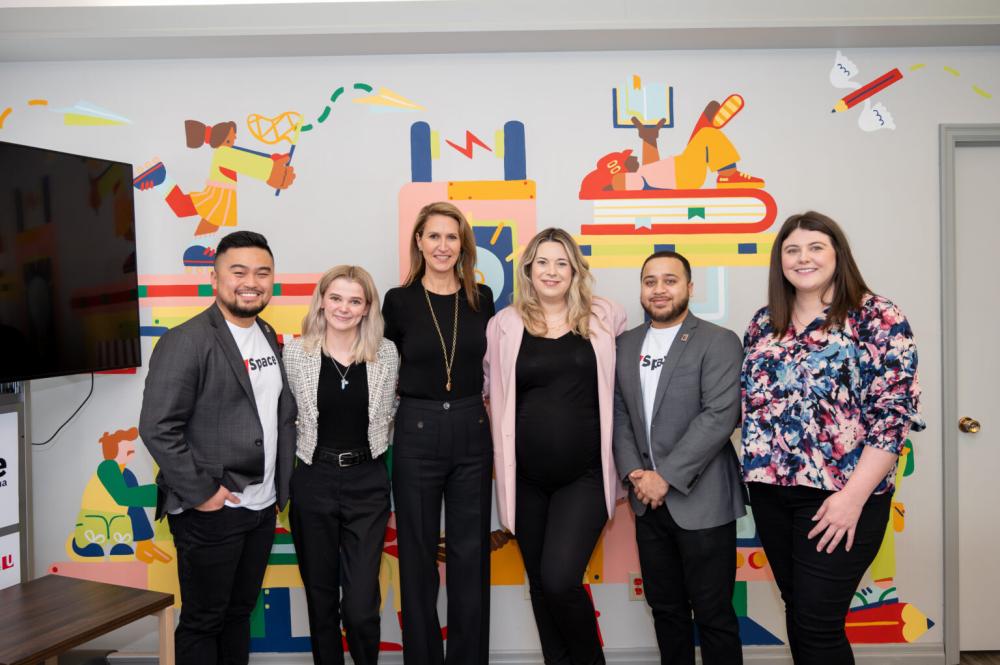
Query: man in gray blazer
{"points": [[219, 419], [677, 401]]}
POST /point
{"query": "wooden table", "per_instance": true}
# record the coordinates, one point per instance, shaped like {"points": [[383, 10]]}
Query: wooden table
{"points": [[45, 617]]}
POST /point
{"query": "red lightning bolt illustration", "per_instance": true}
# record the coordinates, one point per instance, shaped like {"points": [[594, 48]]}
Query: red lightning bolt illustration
{"points": [[470, 139]]}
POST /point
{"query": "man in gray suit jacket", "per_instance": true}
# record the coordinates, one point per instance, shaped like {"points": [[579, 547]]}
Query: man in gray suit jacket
{"points": [[219, 419], [677, 401]]}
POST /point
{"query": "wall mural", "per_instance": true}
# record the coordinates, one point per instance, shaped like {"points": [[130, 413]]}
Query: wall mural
{"points": [[664, 202], [695, 194]]}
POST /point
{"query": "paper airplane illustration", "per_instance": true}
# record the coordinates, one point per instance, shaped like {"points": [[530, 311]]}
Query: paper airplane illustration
{"points": [[87, 114], [387, 100]]}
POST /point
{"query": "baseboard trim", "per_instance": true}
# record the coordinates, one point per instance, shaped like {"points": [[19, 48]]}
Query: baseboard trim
{"points": [[865, 654]]}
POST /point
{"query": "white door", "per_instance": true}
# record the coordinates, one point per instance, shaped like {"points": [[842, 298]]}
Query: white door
{"points": [[977, 222]]}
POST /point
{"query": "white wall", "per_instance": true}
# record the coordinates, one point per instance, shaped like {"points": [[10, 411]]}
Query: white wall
{"points": [[882, 187]]}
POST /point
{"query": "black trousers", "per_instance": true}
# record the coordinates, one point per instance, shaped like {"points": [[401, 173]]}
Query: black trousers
{"points": [[338, 519], [685, 572], [557, 530], [221, 558], [443, 450], [817, 587]]}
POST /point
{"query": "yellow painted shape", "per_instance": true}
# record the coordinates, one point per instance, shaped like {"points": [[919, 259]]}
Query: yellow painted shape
{"points": [[636, 82], [507, 566], [282, 127], [81, 120], [914, 623], [38, 102], [286, 319], [498, 143], [496, 234], [952, 71], [705, 261], [386, 97], [690, 251], [594, 573], [491, 190], [678, 239], [3, 116], [914, 68], [976, 89], [435, 144], [162, 577], [279, 577]]}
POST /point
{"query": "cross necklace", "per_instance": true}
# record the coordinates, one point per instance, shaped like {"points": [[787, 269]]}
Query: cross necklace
{"points": [[343, 375]]}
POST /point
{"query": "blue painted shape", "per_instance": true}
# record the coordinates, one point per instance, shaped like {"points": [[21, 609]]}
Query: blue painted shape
{"points": [[152, 331], [587, 250], [751, 634], [746, 248], [277, 610], [496, 270], [665, 248], [420, 152], [515, 165]]}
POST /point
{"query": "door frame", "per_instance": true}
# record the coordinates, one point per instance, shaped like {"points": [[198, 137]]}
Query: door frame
{"points": [[951, 138]]}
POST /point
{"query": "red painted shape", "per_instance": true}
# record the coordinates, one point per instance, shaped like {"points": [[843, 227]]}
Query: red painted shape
{"points": [[470, 140], [770, 212], [171, 290], [297, 289]]}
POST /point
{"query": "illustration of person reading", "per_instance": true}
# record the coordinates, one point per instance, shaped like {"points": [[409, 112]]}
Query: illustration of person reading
{"points": [[112, 518], [216, 204], [708, 149]]}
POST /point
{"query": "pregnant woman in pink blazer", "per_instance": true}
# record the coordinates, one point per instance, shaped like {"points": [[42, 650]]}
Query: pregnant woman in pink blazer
{"points": [[550, 366]]}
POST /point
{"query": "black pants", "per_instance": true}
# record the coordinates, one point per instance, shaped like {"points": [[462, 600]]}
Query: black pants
{"points": [[443, 450], [685, 572], [338, 519], [557, 530], [221, 558], [817, 587]]}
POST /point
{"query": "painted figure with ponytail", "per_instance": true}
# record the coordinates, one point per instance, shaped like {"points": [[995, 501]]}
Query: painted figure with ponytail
{"points": [[216, 204]]}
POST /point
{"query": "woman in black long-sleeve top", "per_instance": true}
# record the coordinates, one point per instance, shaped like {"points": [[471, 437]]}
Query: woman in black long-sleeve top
{"points": [[442, 445]]}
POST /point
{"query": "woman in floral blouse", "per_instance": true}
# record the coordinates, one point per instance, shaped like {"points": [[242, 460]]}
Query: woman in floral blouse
{"points": [[830, 392]]}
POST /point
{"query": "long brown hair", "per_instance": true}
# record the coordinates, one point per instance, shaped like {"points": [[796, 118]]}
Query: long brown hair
{"points": [[465, 267], [579, 298], [849, 287]]}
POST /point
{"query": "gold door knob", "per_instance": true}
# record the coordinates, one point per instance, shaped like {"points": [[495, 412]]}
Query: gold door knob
{"points": [[968, 425]]}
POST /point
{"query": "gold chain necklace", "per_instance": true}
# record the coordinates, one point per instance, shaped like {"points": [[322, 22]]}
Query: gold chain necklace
{"points": [[448, 362]]}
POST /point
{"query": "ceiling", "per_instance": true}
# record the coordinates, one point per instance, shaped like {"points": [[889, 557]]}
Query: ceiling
{"points": [[38, 30]]}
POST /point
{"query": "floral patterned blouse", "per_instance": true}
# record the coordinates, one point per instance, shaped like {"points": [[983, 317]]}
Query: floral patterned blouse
{"points": [[812, 401]]}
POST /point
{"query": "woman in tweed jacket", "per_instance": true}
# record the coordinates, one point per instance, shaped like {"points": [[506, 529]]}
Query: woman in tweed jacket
{"points": [[343, 374]]}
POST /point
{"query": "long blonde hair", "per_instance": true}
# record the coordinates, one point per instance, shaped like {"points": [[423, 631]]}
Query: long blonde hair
{"points": [[370, 330], [465, 267], [579, 298]]}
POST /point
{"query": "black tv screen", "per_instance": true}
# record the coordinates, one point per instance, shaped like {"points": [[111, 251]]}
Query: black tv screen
{"points": [[68, 282]]}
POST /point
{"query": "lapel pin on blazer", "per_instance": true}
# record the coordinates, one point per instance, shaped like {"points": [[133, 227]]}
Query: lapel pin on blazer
{"points": [[684, 337]]}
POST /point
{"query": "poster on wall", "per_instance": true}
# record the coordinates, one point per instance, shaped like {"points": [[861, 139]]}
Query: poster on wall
{"points": [[8, 469], [10, 560]]}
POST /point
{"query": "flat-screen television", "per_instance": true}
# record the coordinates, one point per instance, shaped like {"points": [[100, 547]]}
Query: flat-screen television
{"points": [[68, 282]]}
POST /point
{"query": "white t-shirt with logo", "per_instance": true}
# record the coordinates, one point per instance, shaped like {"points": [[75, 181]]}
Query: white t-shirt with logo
{"points": [[655, 347], [265, 379]]}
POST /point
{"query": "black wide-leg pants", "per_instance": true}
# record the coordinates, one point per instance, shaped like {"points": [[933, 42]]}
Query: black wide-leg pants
{"points": [[443, 450]]}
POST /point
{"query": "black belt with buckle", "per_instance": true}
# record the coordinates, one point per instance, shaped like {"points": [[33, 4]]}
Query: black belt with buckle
{"points": [[343, 458]]}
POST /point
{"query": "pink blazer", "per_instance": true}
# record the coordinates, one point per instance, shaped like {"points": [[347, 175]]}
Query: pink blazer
{"points": [[503, 337]]}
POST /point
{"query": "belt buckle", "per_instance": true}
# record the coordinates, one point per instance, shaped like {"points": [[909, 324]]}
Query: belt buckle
{"points": [[352, 459], [446, 406]]}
